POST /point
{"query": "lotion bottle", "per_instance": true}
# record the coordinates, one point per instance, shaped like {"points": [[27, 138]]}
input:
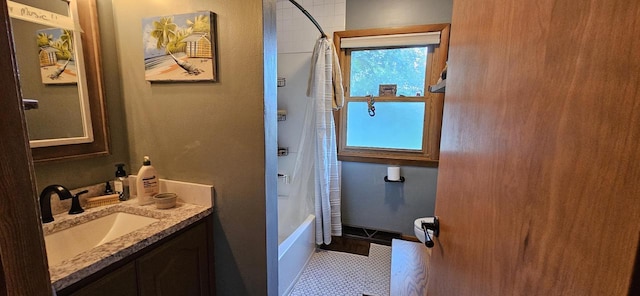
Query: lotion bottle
{"points": [[121, 183], [147, 183]]}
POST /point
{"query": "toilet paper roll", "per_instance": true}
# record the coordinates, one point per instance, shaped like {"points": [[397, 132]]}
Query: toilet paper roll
{"points": [[393, 173]]}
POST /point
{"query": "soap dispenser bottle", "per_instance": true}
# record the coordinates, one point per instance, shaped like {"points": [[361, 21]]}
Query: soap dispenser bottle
{"points": [[121, 183], [147, 183], [107, 188]]}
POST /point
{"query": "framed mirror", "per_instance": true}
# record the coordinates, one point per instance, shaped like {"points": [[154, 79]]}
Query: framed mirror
{"points": [[57, 52]]}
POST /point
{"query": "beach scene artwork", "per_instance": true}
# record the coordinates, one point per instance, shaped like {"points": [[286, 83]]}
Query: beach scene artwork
{"points": [[180, 47], [57, 65]]}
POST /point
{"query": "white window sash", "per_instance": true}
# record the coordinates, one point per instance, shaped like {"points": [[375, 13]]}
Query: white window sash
{"points": [[413, 39]]}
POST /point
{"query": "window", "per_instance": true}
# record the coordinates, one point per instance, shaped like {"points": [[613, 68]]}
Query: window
{"points": [[391, 69]]}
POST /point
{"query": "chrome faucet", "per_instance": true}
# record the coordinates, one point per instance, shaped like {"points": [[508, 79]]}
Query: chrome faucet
{"points": [[63, 193]]}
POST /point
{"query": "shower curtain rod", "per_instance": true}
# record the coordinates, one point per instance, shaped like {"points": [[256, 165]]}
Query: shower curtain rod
{"points": [[309, 16]]}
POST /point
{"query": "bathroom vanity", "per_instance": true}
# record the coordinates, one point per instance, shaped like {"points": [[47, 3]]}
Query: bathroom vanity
{"points": [[170, 255]]}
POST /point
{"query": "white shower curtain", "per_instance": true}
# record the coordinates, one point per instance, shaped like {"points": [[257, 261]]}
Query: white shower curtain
{"points": [[325, 88]]}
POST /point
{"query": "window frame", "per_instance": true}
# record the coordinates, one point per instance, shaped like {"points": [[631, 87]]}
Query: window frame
{"points": [[436, 61]]}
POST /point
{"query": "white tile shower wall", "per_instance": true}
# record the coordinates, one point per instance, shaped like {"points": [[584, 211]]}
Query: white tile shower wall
{"points": [[293, 98], [296, 33], [296, 38]]}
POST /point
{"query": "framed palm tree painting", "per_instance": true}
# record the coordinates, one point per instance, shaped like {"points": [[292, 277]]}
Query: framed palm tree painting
{"points": [[180, 47], [55, 53]]}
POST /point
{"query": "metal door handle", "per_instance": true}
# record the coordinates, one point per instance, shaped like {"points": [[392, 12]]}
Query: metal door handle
{"points": [[433, 226]]}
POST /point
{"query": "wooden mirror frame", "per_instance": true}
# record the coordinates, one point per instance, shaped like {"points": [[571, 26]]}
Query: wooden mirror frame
{"points": [[88, 18]]}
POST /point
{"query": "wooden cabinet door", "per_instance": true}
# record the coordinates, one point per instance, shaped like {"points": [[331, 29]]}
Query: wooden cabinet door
{"points": [[178, 267], [539, 175], [121, 282]]}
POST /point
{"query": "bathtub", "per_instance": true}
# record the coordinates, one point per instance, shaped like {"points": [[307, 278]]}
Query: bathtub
{"points": [[294, 252]]}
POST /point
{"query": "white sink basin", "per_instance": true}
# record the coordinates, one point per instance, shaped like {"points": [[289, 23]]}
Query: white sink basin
{"points": [[72, 241]]}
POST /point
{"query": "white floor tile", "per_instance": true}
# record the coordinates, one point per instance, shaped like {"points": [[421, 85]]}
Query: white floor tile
{"points": [[332, 273], [378, 270]]}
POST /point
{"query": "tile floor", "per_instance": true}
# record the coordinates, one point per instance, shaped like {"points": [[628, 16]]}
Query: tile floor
{"points": [[331, 273]]}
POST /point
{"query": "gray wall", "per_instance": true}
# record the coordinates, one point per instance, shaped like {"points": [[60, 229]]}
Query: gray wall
{"points": [[212, 133], [367, 200], [365, 14]]}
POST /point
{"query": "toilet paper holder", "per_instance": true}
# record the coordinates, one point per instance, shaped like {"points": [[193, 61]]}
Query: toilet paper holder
{"points": [[401, 180], [433, 226]]}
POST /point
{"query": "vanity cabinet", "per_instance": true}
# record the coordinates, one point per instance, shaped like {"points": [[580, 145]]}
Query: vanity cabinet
{"points": [[179, 265], [121, 281]]}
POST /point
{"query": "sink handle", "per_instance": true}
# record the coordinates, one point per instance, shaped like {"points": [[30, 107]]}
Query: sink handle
{"points": [[75, 203]]}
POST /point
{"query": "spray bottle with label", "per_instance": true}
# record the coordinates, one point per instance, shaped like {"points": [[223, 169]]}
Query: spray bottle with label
{"points": [[147, 183]]}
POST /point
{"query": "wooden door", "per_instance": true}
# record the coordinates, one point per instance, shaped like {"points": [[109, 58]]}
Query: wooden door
{"points": [[539, 176], [22, 254]]}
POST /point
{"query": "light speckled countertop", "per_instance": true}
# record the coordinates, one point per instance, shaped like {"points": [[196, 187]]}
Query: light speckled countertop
{"points": [[84, 264]]}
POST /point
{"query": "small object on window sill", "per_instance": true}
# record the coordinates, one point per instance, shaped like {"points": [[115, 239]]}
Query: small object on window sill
{"points": [[282, 81], [397, 181], [438, 88], [387, 90]]}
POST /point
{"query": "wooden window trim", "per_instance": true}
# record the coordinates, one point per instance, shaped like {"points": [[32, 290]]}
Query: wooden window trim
{"points": [[434, 102]]}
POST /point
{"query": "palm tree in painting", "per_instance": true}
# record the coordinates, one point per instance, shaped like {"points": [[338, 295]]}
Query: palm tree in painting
{"points": [[44, 39], [64, 52], [200, 24], [172, 40], [177, 44], [67, 38], [164, 31]]}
